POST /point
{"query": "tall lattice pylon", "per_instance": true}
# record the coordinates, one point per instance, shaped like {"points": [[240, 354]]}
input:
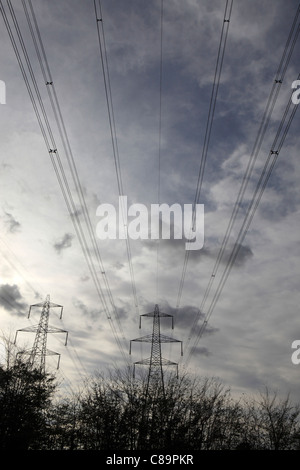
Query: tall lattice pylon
{"points": [[156, 361], [39, 351]]}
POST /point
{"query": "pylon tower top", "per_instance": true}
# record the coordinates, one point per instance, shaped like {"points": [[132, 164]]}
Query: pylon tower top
{"points": [[39, 351], [156, 361]]}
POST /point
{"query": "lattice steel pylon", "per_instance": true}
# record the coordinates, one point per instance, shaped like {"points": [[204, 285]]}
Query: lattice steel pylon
{"points": [[39, 351], [156, 361]]}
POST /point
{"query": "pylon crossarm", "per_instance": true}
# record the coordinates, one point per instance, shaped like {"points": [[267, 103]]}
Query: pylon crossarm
{"points": [[156, 361], [42, 329], [166, 362], [145, 362], [168, 339], [49, 304], [50, 329], [51, 353], [146, 339], [53, 329], [29, 329], [41, 304], [160, 314]]}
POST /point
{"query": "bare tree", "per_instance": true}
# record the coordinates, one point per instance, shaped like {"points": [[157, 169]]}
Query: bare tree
{"points": [[272, 422], [25, 395]]}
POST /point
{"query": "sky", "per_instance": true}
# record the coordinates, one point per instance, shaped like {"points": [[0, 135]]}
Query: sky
{"points": [[162, 65]]}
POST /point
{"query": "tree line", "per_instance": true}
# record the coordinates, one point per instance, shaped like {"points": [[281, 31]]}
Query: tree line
{"points": [[114, 412]]}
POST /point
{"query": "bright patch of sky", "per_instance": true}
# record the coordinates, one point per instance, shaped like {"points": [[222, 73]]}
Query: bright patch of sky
{"points": [[247, 342]]}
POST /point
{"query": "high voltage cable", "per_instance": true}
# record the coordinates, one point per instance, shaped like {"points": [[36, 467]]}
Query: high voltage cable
{"points": [[208, 130], [159, 134], [289, 46], [66, 143], [114, 140], [62, 180], [260, 188], [288, 50], [211, 112], [257, 145], [64, 136]]}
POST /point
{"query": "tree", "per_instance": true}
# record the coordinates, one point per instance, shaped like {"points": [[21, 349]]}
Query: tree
{"points": [[63, 430], [100, 415], [25, 395], [273, 422]]}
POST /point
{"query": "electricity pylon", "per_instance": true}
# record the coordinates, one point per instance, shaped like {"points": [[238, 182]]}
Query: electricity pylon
{"points": [[39, 351], [156, 361]]}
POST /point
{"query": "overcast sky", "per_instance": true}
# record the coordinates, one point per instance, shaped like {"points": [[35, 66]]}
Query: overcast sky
{"points": [[248, 338]]}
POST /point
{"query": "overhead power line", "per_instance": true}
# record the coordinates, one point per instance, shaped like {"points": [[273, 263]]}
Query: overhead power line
{"points": [[260, 188], [68, 151], [159, 134], [56, 161], [208, 130], [261, 184], [113, 133]]}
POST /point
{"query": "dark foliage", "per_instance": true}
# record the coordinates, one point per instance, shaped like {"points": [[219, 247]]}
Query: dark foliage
{"points": [[24, 398], [192, 414], [113, 413]]}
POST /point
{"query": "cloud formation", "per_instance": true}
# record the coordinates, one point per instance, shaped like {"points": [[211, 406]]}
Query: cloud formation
{"points": [[12, 300], [11, 223], [64, 243], [261, 291]]}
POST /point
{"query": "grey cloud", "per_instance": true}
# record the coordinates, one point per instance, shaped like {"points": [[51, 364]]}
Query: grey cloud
{"points": [[244, 253], [122, 313], [201, 351], [11, 223], [5, 165], [86, 311], [64, 243], [11, 299], [118, 265], [188, 315], [190, 47], [210, 330], [76, 213]]}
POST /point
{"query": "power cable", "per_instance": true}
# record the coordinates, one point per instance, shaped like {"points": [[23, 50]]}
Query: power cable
{"points": [[114, 140], [260, 188], [285, 59], [159, 138], [210, 119], [66, 143], [53, 150]]}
